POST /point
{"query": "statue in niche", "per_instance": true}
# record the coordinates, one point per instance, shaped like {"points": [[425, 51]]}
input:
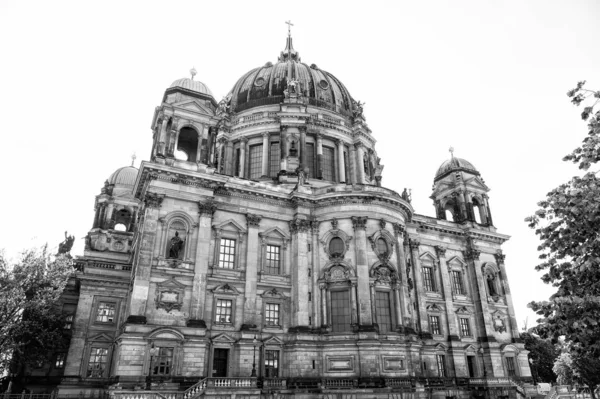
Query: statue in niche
{"points": [[176, 246], [491, 285], [293, 150]]}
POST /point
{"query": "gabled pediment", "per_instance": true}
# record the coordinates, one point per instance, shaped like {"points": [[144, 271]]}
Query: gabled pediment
{"points": [[455, 260], [275, 232], [435, 308], [230, 225], [427, 256], [470, 348], [226, 289], [440, 347], [194, 105], [477, 182], [101, 338], [273, 340], [172, 283], [462, 310], [223, 338]]}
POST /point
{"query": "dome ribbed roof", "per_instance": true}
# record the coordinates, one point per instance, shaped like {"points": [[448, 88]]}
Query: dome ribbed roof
{"points": [[265, 85], [124, 176], [455, 163], [193, 85]]}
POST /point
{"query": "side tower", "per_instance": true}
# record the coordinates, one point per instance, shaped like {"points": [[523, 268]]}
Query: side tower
{"points": [[460, 194]]}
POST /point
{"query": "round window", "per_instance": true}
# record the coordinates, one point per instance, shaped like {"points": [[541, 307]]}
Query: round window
{"points": [[336, 246], [323, 84], [259, 82]]}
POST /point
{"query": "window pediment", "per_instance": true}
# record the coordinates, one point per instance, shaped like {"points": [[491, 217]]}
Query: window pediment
{"points": [[273, 341], [384, 273], [101, 338], [274, 232], [463, 310], [226, 289], [223, 339], [273, 294], [166, 333], [229, 226], [435, 308]]}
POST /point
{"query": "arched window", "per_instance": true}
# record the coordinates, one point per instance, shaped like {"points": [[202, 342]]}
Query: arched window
{"points": [[449, 215], [187, 145], [336, 246], [122, 220], [477, 211]]}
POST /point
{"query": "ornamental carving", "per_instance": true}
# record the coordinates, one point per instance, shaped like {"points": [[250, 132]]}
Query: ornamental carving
{"points": [[337, 273], [472, 254], [441, 251], [398, 229], [499, 322], [334, 223], [153, 200], [499, 257], [207, 207], [299, 225], [414, 244], [384, 275], [382, 223], [169, 295], [253, 220], [359, 222]]}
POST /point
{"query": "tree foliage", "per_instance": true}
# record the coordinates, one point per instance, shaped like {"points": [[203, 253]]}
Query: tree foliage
{"points": [[576, 368], [568, 225], [543, 355], [31, 320]]}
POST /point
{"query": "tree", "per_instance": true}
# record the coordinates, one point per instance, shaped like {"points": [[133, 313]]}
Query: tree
{"points": [[568, 224], [543, 356], [31, 320], [563, 368]]}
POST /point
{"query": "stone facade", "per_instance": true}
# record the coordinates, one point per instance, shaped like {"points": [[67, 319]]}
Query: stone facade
{"points": [[258, 240]]}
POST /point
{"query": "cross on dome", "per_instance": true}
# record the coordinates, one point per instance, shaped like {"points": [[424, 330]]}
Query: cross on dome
{"points": [[289, 24], [451, 149], [133, 157]]}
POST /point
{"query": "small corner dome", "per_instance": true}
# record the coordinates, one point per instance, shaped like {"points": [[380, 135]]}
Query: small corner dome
{"points": [[192, 85], [454, 164], [124, 176]]}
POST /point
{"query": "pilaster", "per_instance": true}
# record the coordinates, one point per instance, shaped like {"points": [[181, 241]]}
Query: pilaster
{"points": [[300, 307], [365, 316], [419, 296], [206, 210], [253, 248]]}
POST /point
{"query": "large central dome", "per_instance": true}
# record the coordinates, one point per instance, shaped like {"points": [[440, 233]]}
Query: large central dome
{"points": [[265, 85]]}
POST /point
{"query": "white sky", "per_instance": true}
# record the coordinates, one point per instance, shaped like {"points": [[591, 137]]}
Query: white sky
{"points": [[79, 82]]}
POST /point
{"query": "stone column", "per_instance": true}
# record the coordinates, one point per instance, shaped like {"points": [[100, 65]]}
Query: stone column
{"points": [[302, 148], [352, 156], [142, 264], [108, 216], [365, 317], [341, 166], [353, 304], [229, 158], [487, 210], [209, 146], [300, 307], [372, 296], [283, 148], [404, 303], [199, 148], [99, 210], [206, 210], [506, 290], [253, 248], [319, 173], [483, 318], [265, 155], [162, 137], [420, 296], [242, 159], [462, 206], [360, 175], [397, 304]]}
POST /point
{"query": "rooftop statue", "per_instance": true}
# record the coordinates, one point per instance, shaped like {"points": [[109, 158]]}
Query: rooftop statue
{"points": [[65, 246]]}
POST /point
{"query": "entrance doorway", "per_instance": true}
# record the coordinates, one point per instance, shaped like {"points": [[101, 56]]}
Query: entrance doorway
{"points": [[220, 362]]}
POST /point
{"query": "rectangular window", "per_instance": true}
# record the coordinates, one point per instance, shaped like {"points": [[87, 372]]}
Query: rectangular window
{"points": [[68, 322], [105, 312], [237, 162], [271, 364], [434, 325], [384, 314], [328, 164], [457, 283], [310, 160], [441, 365], [510, 366], [274, 159], [471, 365], [465, 328], [272, 264], [428, 279], [227, 253], [272, 314], [340, 311], [256, 156], [223, 311], [97, 363], [162, 363], [60, 360]]}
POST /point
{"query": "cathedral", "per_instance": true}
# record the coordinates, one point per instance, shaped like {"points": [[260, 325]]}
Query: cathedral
{"points": [[257, 253]]}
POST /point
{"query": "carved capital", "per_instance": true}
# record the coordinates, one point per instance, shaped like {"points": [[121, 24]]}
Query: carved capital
{"points": [[266, 134], [244, 140], [472, 254], [358, 145], [398, 229], [314, 225], [414, 244], [382, 223], [299, 225], [207, 207], [441, 251], [253, 220], [359, 222], [499, 257], [153, 200]]}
